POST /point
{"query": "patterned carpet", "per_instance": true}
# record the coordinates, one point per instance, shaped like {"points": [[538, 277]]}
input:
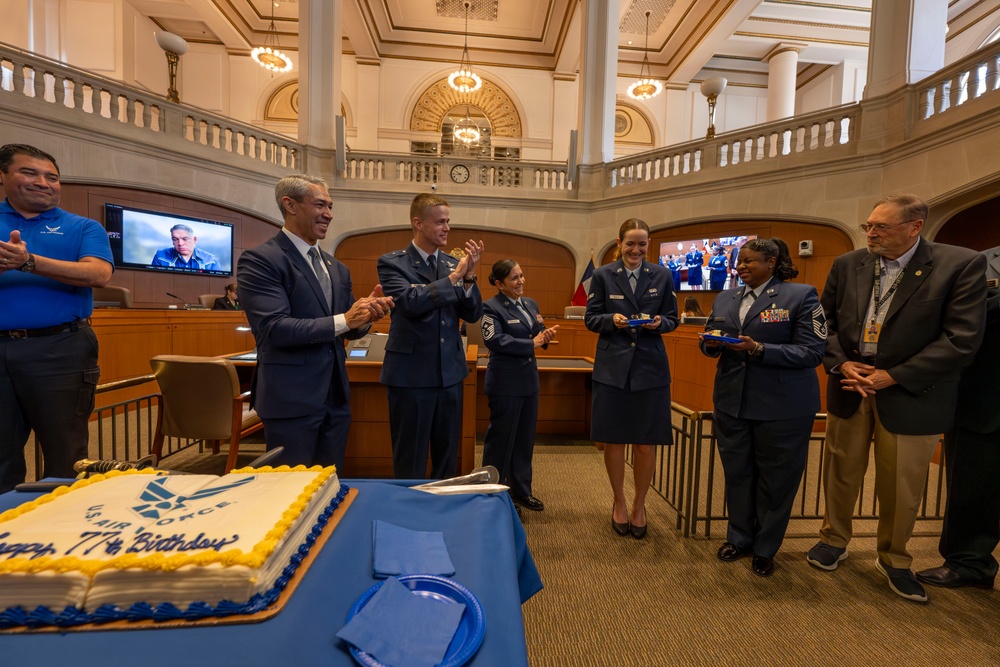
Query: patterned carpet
{"points": [[667, 600]]}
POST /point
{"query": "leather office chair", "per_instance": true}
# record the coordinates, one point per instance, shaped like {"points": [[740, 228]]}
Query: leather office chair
{"points": [[200, 399], [474, 336], [112, 294], [208, 300], [574, 312]]}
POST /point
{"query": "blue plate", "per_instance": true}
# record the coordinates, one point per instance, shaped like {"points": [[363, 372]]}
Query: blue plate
{"points": [[722, 339], [471, 627]]}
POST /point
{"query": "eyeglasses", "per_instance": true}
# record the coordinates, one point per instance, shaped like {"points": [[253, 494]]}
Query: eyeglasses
{"points": [[880, 229]]}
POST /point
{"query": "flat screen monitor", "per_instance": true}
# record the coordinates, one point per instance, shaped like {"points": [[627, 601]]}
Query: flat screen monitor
{"points": [[156, 241], [690, 262]]}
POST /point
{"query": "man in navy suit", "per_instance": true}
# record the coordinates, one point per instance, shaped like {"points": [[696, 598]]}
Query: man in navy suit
{"points": [[424, 359], [299, 302], [971, 528]]}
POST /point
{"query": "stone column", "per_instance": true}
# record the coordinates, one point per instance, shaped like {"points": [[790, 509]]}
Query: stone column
{"points": [[598, 74], [907, 43], [320, 55], [782, 69]]}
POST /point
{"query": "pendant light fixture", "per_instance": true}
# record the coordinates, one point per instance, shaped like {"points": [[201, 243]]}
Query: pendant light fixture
{"points": [[269, 56], [464, 80], [646, 87], [467, 130]]}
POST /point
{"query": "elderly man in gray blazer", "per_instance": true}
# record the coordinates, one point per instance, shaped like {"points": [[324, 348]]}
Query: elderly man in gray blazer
{"points": [[904, 316]]}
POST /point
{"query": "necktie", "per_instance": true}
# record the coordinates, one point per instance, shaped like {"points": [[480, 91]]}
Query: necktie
{"points": [[633, 281], [524, 312], [433, 264], [321, 275], [748, 298]]}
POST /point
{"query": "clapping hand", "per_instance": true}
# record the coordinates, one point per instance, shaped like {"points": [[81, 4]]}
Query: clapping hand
{"points": [[371, 308], [545, 337]]}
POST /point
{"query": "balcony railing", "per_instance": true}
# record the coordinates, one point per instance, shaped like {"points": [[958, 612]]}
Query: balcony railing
{"points": [[146, 115], [970, 79], [383, 168], [829, 131]]}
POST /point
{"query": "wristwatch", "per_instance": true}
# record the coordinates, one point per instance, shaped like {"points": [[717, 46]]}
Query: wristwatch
{"points": [[470, 280], [28, 266]]}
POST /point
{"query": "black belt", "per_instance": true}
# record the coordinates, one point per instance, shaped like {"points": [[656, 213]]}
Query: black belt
{"points": [[45, 331]]}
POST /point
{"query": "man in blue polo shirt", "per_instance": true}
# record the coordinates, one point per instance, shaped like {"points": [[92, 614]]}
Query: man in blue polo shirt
{"points": [[184, 254], [49, 261]]}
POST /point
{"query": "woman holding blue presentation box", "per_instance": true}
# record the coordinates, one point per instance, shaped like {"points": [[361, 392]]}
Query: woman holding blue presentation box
{"points": [[631, 305], [766, 396], [512, 330]]}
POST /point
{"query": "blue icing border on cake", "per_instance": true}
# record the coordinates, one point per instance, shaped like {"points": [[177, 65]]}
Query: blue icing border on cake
{"points": [[43, 616]]}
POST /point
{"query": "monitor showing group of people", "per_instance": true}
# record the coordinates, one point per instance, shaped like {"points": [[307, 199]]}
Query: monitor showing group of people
{"points": [[897, 323]]}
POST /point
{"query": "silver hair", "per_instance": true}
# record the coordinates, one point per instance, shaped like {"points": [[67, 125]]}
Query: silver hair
{"points": [[295, 187]]}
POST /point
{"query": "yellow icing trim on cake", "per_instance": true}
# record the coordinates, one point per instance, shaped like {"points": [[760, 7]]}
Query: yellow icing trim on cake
{"points": [[228, 558], [63, 490]]}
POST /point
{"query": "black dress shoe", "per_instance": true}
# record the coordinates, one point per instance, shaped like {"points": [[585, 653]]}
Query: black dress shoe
{"points": [[762, 566], [729, 552], [945, 577], [528, 502], [638, 532]]}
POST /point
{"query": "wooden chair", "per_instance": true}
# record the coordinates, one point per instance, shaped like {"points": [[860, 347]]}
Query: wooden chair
{"points": [[200, 399]]}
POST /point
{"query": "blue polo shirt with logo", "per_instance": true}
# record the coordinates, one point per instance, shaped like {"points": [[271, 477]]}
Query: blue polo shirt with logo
{"points": [[29, 301]]}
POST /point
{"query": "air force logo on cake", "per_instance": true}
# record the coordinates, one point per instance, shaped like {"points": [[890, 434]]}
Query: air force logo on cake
{"points": [[159, 500]]}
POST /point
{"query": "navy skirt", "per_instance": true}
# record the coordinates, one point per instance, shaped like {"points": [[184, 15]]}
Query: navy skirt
{"points": [[623, 417]]}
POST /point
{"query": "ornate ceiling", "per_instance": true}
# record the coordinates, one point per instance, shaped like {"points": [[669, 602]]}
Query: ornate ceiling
{"points": [[689, 39]]}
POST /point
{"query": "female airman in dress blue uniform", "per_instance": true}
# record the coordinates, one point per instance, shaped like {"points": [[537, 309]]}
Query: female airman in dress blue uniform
{"points": [[512, 330], [631, 396], [766, 396]]}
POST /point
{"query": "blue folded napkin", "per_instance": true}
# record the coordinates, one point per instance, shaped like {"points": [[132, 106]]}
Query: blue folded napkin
{"points": [[399, 550], [402, 629]]}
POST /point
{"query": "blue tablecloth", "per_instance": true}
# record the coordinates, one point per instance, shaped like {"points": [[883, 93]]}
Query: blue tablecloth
{"points": [[484, 537]]}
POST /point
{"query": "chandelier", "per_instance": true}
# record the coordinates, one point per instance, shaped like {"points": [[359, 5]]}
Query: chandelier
{"points": [[464, 80], [268, 56], [466, 130], [646, 87]]}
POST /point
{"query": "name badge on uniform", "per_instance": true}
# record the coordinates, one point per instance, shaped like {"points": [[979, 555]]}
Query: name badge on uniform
{"points": [[871, 332], [774, 315], [616, 296], [514, 321], [418, 285]]}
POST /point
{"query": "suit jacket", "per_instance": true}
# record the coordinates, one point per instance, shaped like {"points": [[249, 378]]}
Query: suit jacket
{"points": [[425, 345], [635, 354], [512, 370], [932, 328], [781, 384], [222, 303], [298, 353], [979, 390]]}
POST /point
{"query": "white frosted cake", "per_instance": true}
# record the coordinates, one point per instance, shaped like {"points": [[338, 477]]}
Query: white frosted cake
{"points": [[139, 545]]}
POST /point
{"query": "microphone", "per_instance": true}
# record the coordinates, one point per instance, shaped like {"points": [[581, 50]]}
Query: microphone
{"points": [[183, 303]]}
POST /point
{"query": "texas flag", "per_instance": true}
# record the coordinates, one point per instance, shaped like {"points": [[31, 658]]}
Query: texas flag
{"points": [[580, 298]]}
